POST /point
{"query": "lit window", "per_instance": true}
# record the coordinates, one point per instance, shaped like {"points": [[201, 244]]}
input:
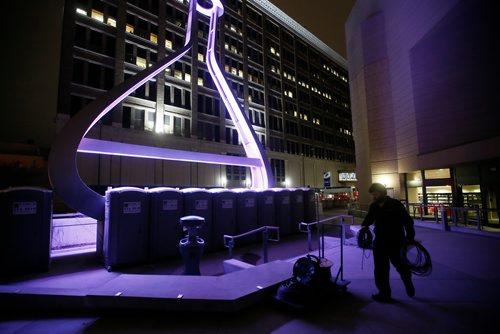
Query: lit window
{"points": [[141, 62], [187, 77], [226, 68], [168, 44], [200, 81], [129, 28], [111, 21], [201, 57], [178, 74], [97, 15], [234, 70], [226, 46], [240, 73], [273, 51], [81, 11], [153, 38]]}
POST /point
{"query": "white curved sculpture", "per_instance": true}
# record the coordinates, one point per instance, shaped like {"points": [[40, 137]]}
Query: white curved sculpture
{"points": [[63, 172]]}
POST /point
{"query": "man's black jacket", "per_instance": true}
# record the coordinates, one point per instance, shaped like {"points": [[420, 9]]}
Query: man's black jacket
{"points": [[391, 221]]}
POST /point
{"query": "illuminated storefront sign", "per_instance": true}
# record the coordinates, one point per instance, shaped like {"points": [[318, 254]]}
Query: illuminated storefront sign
{"points": [[347, 176]]}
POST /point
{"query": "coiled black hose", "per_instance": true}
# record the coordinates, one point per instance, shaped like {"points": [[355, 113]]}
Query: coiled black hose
{"points": [[421, 263], [365, 238]]}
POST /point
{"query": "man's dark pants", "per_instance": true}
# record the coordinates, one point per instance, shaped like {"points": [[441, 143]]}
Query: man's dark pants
{"points": [[383, 253]]}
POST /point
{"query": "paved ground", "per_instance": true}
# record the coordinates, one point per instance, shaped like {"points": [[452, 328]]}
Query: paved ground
{"points": [[462, 295]]}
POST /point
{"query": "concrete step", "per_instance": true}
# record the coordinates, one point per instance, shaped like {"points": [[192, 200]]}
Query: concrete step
{"points": [[227, 293]]}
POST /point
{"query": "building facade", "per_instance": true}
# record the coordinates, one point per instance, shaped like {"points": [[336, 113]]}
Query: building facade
{"points": [[293, 88], [424, 99]]}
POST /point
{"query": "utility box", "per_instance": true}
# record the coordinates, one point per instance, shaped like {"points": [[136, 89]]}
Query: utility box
{"points": [[198, 202], [224, 215], [246, 214], [266, 208], [297, 207], [125, 227], [26, 224], [166, 207], [283, 210]]}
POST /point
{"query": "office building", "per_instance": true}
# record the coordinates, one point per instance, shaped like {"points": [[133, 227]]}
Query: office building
{"points": [[425, 100]]}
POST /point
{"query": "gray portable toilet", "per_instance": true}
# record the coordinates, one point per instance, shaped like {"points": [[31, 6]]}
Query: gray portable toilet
{"points": [[166, 207], [283, 210], [198, 202], [26, 223], [125, 227], [297, 207], [266, 208], [246, 214], [224, 215], [309, 205]]}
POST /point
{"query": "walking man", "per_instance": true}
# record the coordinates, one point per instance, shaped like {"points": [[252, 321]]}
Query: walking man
{"points": [[393, 227]]}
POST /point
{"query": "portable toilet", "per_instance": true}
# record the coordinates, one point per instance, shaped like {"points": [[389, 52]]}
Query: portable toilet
{"points": [[25, 237], [297, 207], [283, 210], [223, 214], [266, 208], [125, 227], [309, 205], [198, 202], [166, 207], [246, 214]]}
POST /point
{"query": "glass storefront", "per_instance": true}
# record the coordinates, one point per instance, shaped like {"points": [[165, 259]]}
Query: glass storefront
{"points": [[473, 186]]}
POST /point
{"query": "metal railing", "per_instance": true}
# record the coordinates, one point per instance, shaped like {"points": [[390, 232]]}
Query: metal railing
{"points": [[340, 221], [306, 227], [230, 239], [475, 218]]}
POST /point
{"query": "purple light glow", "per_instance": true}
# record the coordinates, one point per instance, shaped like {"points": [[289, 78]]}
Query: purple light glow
{"points": [[95, 146], [63, 171]]}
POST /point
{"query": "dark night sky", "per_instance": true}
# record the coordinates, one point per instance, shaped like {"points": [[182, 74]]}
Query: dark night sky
{"points": [[324, 18]]}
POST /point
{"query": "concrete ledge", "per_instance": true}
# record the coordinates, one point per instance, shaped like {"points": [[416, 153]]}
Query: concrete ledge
{"points": [[235, 265], [227, 293]]}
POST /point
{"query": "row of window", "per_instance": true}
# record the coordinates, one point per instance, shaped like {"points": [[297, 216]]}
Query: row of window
{"points": [[101, 77], [141, 57], [106, 13]]}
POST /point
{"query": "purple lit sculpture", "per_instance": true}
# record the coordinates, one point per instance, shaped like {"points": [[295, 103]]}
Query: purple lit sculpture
{"points": [[63, 172]]}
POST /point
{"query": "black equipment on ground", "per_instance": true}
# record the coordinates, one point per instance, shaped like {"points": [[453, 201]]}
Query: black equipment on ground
{"points": [[365, 238], [417, 258], [305, 268], [311, 281]]}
